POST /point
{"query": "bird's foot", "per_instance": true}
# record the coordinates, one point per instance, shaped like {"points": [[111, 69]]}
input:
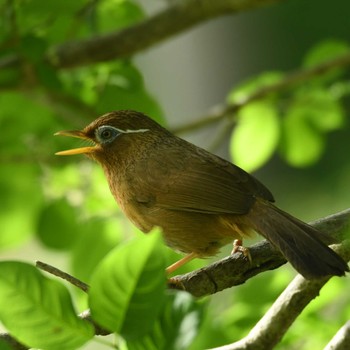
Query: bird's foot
{"points": [[175, 283], [238, 247]]}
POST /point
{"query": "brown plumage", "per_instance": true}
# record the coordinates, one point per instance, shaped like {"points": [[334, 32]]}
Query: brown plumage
{"points": [[200, 200]]}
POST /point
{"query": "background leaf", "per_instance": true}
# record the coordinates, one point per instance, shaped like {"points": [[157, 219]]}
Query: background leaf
{"points": [[38, 311], [302, 143], [58, 225], [256, 136], [128, 287]]}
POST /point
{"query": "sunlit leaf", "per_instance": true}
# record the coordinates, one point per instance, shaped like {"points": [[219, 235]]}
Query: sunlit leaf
{"points": [[128, 287], [325, 51], [38, 311], [117, 14], [302, 143], [255, 138], [320, 108]]}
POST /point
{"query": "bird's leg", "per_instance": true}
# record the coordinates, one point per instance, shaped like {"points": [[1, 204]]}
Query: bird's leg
{"points": [[180, 262], [238, 247]]}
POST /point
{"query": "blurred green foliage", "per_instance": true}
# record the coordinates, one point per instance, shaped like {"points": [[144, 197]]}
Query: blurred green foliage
{"points": [[64, 205], [296, 122]]}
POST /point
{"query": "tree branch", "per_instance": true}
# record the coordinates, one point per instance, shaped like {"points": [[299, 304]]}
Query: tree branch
{"points": [[236, 269], [177, 18], [173, 20], [275, 323]]}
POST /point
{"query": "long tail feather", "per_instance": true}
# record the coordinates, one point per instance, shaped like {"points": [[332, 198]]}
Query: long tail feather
{"points": [[299, 242]]}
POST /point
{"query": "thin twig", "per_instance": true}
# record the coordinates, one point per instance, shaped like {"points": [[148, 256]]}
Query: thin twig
{"points": [[290, 80], [64, 275]]}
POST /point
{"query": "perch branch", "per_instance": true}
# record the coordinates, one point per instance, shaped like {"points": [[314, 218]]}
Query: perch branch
{"points": [[235, 269]]}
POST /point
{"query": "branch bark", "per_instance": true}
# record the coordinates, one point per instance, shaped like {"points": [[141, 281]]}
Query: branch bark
{"points": [[341, 340], [177, 18], [236, 269]]}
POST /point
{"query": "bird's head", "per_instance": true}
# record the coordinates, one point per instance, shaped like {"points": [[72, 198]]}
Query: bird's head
{"points": [[113, 133]]}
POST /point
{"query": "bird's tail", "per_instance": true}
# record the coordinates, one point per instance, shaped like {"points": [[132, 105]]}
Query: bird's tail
{"points": [[299, 242]]}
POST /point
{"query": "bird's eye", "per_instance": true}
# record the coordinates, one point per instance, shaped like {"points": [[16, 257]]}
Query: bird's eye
{"points": [[106, 134]]}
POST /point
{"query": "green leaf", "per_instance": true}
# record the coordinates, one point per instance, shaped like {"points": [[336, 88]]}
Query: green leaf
{"points": [[324, 51], [38, 311], [240, 93], [58, 226], [302, 144], [117, 14], [176, 326], [255, 138], [320, 108], [128, 287], [16, 216], [33, 48]]}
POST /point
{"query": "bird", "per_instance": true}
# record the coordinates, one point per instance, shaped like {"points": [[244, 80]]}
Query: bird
{"points": [[200, 201]]}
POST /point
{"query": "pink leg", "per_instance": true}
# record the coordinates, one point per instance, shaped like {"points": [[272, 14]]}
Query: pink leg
{"points": [[181, 262]]}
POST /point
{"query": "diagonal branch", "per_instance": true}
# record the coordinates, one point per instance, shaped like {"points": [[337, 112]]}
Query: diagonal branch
{"points": [[235, 269], [177, 18], [275, 323], [341, 340], [278, 319]]}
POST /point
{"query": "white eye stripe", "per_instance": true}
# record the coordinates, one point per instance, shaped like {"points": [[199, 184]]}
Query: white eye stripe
{"points": [[133, 131], [128, 131]]}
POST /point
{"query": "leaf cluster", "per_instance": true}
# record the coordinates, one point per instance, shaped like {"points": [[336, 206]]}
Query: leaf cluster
{"points": [[294, 122], [63, 208]]}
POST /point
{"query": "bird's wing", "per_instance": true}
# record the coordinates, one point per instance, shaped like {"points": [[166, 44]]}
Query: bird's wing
{"points": [[203, 183]]}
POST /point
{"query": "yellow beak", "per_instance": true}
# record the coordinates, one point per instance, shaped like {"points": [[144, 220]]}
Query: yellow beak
{"points": [[79, 135]]}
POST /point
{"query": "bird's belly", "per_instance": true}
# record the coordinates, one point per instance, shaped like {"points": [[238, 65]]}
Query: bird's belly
{"points": [[203, 234]]}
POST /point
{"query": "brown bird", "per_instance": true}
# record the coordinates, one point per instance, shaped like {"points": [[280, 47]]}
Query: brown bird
{"points": [[201, 201]]}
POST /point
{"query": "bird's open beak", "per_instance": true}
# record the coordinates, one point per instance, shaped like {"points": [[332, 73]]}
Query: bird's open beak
{"points": [[79, 135]]}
